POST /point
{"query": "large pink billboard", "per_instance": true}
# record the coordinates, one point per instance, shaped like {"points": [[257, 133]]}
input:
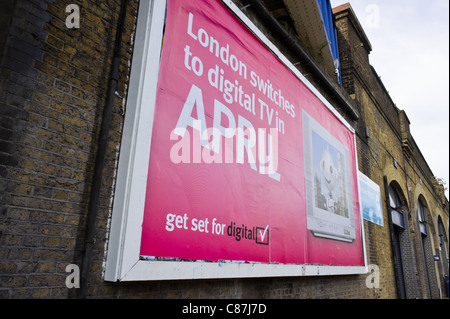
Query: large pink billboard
{"points": [[246, 162]]}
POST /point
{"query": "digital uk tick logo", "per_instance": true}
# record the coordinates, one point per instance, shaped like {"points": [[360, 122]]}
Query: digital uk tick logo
{"points": [[259, 235]]}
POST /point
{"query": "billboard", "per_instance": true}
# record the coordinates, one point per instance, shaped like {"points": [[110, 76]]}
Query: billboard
{"points": [[370, 200], [247, 161]]}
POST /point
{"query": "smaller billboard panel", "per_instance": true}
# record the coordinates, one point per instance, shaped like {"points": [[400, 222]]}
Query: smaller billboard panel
{"points": [[370, 200]]}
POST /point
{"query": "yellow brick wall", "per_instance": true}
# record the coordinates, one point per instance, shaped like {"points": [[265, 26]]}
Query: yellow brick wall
{"points": [[53, 84]]}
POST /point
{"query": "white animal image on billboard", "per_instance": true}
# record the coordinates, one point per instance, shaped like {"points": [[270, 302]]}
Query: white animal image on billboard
{"points": [[328, 184]]}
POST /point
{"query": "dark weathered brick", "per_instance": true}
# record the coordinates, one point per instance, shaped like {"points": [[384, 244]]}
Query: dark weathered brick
{"points": [[53, 83]]}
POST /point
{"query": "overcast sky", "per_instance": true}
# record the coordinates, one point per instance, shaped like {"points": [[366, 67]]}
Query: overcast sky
{"points": [[410, 51]]}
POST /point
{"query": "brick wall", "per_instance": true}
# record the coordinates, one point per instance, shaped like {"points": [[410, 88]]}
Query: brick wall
{"points": [[53, 83], [53, 87], [390, 140]]}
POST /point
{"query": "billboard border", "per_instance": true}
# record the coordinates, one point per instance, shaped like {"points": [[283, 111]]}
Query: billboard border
{"points": [[123, 261]]}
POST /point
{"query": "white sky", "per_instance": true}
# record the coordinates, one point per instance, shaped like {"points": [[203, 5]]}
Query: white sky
{"points": [[410, 51]]}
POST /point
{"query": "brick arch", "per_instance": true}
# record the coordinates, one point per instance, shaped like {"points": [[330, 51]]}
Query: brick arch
{"points": [[427, 245], [443, 252], [432, 214], [431, 220], [404, 261], [402, 194], [396, 177], [440, 217], [441, 227]]}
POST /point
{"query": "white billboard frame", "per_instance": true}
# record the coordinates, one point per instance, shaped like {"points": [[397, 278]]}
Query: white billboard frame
{"points": [[123, 261]]}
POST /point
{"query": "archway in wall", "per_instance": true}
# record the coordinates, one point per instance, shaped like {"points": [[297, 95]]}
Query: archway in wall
{"points": [[443, 253], [397, 224], [426, 231], [403, 252]]}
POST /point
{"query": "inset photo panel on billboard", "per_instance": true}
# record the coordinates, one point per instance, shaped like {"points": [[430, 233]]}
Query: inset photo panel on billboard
{"points": [[232, 164], [328, 188]]}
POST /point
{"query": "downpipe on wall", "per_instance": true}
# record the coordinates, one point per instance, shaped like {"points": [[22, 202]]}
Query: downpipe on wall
{"points": [[89, 240]]}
